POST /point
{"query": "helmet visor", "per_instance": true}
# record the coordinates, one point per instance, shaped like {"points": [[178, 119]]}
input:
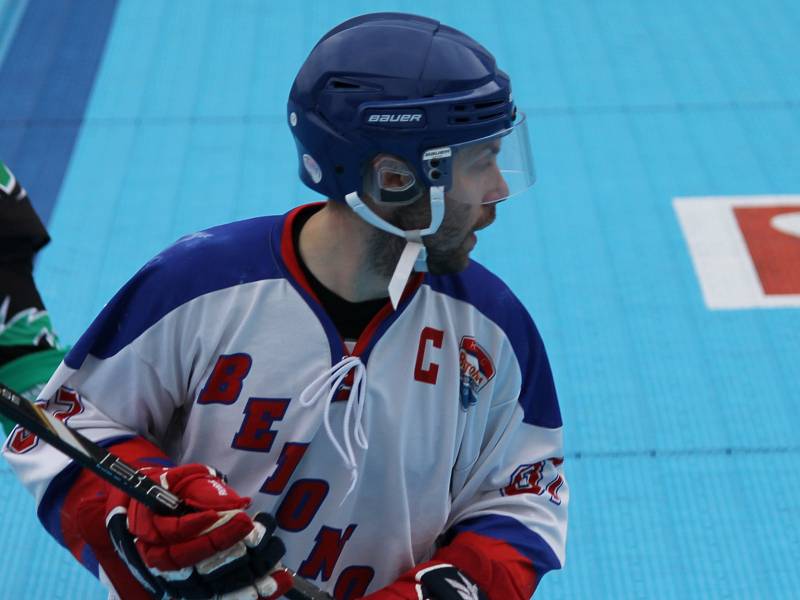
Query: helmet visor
{"points": [[494, 168]]}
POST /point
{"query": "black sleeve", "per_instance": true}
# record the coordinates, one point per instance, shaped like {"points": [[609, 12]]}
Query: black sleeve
{"points": [[22, 234]]}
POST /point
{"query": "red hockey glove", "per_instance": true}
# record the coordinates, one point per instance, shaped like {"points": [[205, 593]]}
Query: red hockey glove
{"points": [[495, 569], [215, 550]]}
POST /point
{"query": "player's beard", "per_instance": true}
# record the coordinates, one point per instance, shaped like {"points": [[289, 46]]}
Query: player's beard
{"points": [[448, 249]]}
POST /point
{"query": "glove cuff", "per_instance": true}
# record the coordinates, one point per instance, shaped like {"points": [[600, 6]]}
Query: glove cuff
{"points": [[492, 564], [83, 516]]}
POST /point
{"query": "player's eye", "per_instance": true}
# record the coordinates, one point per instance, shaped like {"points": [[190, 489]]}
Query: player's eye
{"points": [[488, 161]]}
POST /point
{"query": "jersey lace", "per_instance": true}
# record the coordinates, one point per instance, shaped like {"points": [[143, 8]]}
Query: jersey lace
{"points": [[325, 388]]}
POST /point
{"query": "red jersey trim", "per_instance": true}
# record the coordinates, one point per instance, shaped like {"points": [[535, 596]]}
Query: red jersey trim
{"points": [[290, 259], [289, 252], [369, 331]]}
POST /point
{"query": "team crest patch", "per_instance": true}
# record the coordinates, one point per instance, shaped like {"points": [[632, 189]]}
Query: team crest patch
{"points": [[477, 369]]}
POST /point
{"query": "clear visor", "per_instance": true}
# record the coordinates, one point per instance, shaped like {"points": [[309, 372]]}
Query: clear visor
{"points": [[494, 168], [483, 171]]}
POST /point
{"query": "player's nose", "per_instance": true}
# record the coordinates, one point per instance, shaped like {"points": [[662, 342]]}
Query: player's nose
{"points": [[499, 189]]}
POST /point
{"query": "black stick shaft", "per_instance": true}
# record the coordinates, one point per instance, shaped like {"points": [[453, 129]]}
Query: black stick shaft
{"points": [[114, 470]]}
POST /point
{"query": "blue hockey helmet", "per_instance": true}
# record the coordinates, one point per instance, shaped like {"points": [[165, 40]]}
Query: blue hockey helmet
{"points": [[407, 86]]}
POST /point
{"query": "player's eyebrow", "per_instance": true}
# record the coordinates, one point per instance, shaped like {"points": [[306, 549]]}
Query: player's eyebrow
{"points": [[490, 149], [479, 150], [492, 146]]}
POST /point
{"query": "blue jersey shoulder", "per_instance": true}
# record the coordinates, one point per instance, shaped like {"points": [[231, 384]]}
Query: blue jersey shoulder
{"points": [[481, 288], [199, 263], [485, 291]]}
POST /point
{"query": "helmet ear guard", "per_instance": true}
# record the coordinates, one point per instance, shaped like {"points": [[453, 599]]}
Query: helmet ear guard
{"points": [[389, 180]]}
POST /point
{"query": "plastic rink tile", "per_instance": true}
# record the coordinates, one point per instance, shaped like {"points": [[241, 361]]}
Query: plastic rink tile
{"points": [[680, 421], [34, 565], [681, 524], [47, 71], [11, 12]]}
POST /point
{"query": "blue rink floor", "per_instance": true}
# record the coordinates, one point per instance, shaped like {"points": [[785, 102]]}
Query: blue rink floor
{"points": [[133, 122]]}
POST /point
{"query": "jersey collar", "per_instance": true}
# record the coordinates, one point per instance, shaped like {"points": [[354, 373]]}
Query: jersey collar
{"points": [[284, 246]]}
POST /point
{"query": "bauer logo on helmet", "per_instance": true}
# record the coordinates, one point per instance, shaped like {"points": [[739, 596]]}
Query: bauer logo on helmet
{"points": [[404, 118]]}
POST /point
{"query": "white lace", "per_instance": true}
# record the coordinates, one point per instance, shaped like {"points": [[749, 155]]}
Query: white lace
{"points": [[330, 381]]}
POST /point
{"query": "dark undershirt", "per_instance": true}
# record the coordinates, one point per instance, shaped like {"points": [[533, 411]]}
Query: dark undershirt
{"points": [[350, 318]]}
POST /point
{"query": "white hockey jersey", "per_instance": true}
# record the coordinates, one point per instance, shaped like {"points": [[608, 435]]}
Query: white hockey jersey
{"points": [[443, 419]]}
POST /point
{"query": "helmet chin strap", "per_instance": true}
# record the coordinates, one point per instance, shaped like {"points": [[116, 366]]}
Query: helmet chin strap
{"points": [[414, 256]]}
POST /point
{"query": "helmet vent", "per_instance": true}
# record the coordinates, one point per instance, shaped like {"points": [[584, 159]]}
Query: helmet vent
{"points": [[478, 105], [490, 116], [335, 83], [490, 104], [479, 112]]}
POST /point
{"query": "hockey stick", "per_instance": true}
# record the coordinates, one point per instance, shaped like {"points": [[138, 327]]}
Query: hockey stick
{"points": [[114, 470]]}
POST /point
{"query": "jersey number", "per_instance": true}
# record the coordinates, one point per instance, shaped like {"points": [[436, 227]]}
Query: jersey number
{"points": [[66, 403], [527, 479]]}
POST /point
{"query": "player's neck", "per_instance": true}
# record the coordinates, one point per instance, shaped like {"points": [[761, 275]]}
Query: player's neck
{"points": [[334, 245]]}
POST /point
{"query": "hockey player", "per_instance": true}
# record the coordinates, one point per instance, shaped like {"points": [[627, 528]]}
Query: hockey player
{"points": [[383, 405], [29, 348]]}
